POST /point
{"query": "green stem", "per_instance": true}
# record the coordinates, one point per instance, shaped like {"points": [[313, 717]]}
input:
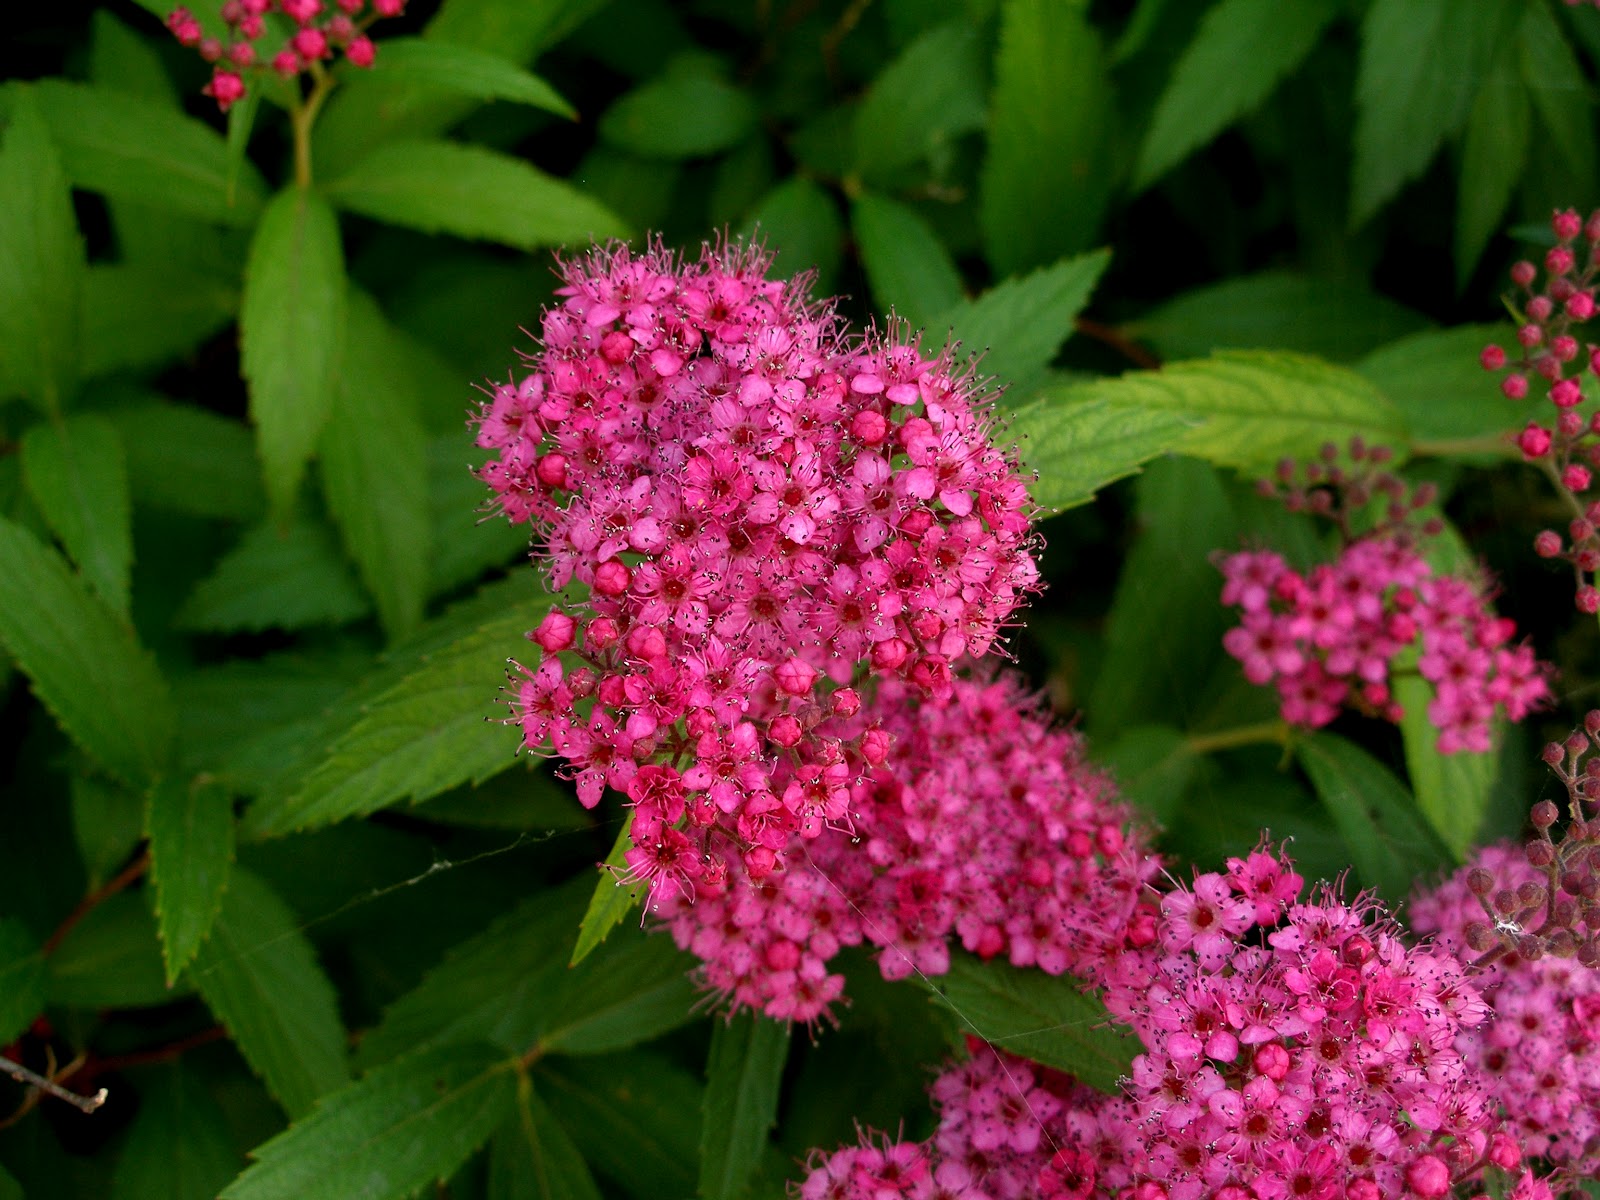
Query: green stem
{"points": [[1497, 444], [302, 117], [1267, 733]]}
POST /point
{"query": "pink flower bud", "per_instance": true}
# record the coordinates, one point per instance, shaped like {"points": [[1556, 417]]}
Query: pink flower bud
{"points": [[1534, 441], [601, 635], [1575, 478], [1530, 335], [875, 745], [1504, 1152], [241, 54], [1566, 225], [1273, 1061], [1565, 347], [301, 11], [890, 654], [556, 632], [184, 27], [551, 470], [252, 27], [784, 731], [869, 427], [1566, 394], [1492, 358], [1569, 423], [1428, 1176], [846, 702], [759, 862], [794, 677], [1523, 273], [310, 44], [646, 642], [1363, 1189], [1515, 386], [1581, 306], [286, 63], [351, 7], [210, 49], [611, 578], [225, 88], [389, 8], [1558, 260], [1587, 600], [616, 347], [783, 955]]}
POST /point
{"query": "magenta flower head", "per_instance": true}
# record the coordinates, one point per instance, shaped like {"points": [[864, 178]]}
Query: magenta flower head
{"points": [[762, 511]]}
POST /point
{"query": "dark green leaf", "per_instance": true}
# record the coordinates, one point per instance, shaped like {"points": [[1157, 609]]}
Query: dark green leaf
{"points": [[1047, 176], [922, 100], [632, 989], [400, 1128], [1558, 87], [797, 221], [21, 979], [107, 823], [110, 959], [374, 469], [475, 73], [1453, 790], [259, 976], [10, 1189], [529, 800], [533, 1158], [1018, 325], [41, 263], [1153, 765], [1079, 446], [135, 149], [76, 475], [190, 827], [1443, 392], [686, 113], [907, 265], [1050, 1019], [189, 460], [276, 579], [446, 187], [612, 899], [119, 58], [180, 1147], [1241, 51], [466, 541], [1492, 158], [101, 686], [141, 315], [641, 191], [743, 1072], [291, 330]]}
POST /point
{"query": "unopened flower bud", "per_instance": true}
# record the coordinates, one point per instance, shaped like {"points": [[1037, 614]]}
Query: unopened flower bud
{"points": [[1515, 387], [1492, 358], [784, 731], [556, 633], [846, 702], [1544, 814], [361, 52]]}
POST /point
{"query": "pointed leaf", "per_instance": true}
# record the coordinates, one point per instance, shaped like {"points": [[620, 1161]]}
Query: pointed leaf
{"points": [[395, 1131], [21, 979], [907, 265], [533, 1158], [748, 1054], [86, 668], [1441, 390], [180, 1146], [681, 114], [110, 959], [189, 460], [107, 823], [138, 316], [929, 95], [1492, 159], [798, 222], [628, 992], [259, 975], [190, 827], [276, 579], [1453, 790], [1079, 446], [291, 327], [612, 899], [119, 58], [1553, 76], [463, 69], [77, 476]]}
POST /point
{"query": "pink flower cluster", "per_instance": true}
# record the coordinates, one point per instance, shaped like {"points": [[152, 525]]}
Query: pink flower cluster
{"points": [[1541, 1051], [1331, 637], [317, 34], [983, 824], [766, 516]]}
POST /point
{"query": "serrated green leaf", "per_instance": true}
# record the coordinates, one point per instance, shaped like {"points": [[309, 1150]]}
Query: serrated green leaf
{"points": [[907, 265], [189, 460], [395, 1131], [527, 800], [76, 473], [276, 579], [110, 959], [465, 544], [471, 192], [1050, 1019], [531, 1156], [139, 316], [22, 978], [1435, 380], [1079, 446], [631, 990], [743, 1072], [190, 827], [798, 222], [291, 330], [471, 72], [1047, 175], [682, 114], [374, 470], [1241, 51], [107, 823], [134, 149], [179, 1147], [1492, 158], [1453, 790], [105, 691], [1018, 325], [1420, 62], [259, 976], [41, 262], [1558, 87], [612, 899], [929, 95]]}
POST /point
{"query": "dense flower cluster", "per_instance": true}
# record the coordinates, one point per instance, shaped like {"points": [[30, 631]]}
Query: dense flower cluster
{"points": [[767, 516], [318, 31], [983, 824]]}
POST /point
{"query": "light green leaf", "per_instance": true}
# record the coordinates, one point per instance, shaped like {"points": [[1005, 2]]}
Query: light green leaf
{"points": [[1441, 390], [921, 101], [140, 316], [105, 691], [685, 113], [531, 1156], [907, 266], [110, 959], [21, 979], [395, 1131], [612, 899], [1453, 790], [259, 976], [1047, 176], [1019, 324], [180, 1147], [471, 72], [185, 459], [190, 827], [288, 579], [77, 476], [134, 149], [1050, 1019], [291, 329], [375, 470], [41, 262], [1240, 52], [1492, 158], [107, 824], [1079, 446], [797, 222], [471, 192], [744, 1070]]}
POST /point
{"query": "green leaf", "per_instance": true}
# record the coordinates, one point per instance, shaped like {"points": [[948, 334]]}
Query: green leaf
{"points": [[925, 98], [105, 691], [1276, 310], [259, 976], [41, 262], [395, 1131], [189, 460], [797, 222], [1441, 390], [110, 959], [463, 69], [10, 1189], [375, 469], [527, 800], [683, 114], [1241, 51], [291, 328], [134, 149], [1154, 766], [1453, 790], [276, 579], [531, 1157], [190, 827], [119, 58], [748, 1053], [179, 1147], [1079, 446], [1050, 1019], [1492, 159], [1389, 843], [76, 475], [139, 316], [612, 899], [465, 545], [1558, 87], [471, 192], [1047, 175], [633, 989], [1421, 61], [907, 265], [21, 979], [107, 823], [1018, 325]]}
